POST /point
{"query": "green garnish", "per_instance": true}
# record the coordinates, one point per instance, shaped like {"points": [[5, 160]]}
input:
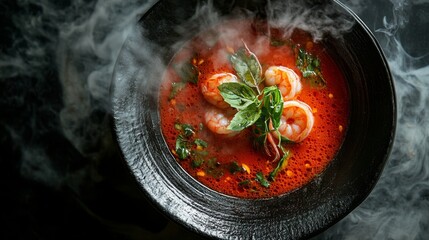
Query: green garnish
{"points": [[250, 108], [213, 168], [176, 87], [238, 95], [185, 144], [309, 66], [262, 180], [280, 165], [201, 143], [247, 66], [188, 73], [234, 167], [182, 147], [244, 183], [197, 162]]}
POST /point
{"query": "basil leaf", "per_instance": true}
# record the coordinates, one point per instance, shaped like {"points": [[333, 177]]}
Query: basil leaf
{"points": [[280, 165], [262, 180], [273, 105], [238, 95], [247, 67], [309, 66], [245, 118]]}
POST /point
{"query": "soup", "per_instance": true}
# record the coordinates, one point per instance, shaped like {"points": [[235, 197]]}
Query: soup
{"points": [[251, 113]]}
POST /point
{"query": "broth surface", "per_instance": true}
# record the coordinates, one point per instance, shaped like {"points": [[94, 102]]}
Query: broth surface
{"points": [[230, 164]]}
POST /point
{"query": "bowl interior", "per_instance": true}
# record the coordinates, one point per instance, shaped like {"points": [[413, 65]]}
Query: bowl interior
{"points": [[302, 213]]}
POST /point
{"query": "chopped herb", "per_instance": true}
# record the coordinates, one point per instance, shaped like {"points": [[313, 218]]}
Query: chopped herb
{"points": [[187, 72], [244, 183], [197, 162], [234, 167], [198, 158], [213, 168], [188, 130], [201, 143], [176, 87], [182, 148], [262, 180], [278, 42], [309, 66]]}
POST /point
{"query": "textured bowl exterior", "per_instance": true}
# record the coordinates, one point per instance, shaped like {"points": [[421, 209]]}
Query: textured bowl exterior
{"points": [[345, 183]]}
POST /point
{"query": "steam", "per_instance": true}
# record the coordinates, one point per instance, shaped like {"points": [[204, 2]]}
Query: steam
{"points": [[398, 207], [317, 19], [74, 46]]}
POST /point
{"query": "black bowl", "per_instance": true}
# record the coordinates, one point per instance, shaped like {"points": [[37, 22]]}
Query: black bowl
{"points": [[344, 184]]}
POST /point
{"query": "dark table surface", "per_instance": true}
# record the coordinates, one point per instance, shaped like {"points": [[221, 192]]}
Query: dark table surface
{"points": [[62, 176]]}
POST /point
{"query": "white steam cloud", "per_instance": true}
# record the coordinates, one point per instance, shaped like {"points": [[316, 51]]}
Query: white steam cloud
{"points": [[398, 207], [72, 45]]}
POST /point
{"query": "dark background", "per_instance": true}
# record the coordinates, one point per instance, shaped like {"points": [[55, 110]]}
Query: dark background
{"points": [[61, 174]]}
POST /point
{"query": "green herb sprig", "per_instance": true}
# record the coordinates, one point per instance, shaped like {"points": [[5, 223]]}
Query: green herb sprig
{"points": [[259, 108]]}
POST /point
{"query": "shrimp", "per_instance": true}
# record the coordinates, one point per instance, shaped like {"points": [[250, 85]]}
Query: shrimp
{"points": [[286, 79], [296, 121], [218, 120], [210, 91]]}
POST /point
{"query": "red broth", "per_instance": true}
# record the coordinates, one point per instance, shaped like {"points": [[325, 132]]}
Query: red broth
{"points": [[230, 164]]}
